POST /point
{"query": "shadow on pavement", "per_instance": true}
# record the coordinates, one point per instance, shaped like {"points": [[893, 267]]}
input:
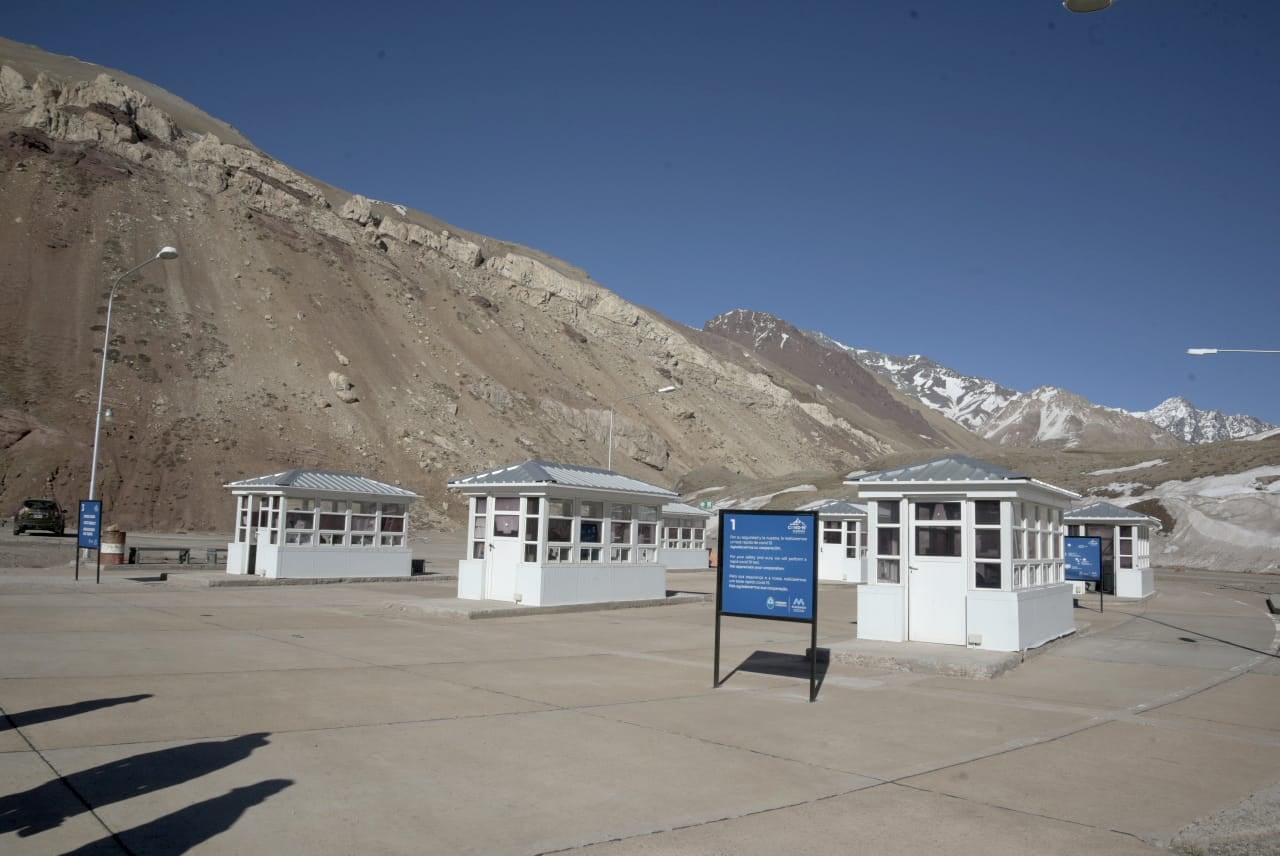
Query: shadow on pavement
{"points": [[186, 828], [48, 714], [783, 665], [46, 806]]}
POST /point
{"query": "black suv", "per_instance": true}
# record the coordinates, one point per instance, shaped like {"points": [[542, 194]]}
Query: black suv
{"points": [[43, 514]]}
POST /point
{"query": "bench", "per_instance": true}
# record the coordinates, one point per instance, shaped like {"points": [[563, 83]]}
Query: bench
{"points": [[216, 555], [183, 553]]}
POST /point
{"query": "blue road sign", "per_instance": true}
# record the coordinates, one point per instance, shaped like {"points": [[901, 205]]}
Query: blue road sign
{"points": [[768, 566], [1083, 559], [89, 526]]}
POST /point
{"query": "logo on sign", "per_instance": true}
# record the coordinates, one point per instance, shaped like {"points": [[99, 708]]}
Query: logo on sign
{"points": [[797, 527], [797, 605], [770, 602]]}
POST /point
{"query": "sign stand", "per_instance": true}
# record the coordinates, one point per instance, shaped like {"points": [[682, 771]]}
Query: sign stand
{"points": [[1084, 561], [89, 533], [767, 567]]}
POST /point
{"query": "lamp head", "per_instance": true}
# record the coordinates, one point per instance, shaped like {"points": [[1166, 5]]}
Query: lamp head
{"points": [[1083, 6], [167, 253], [1201, 352]]}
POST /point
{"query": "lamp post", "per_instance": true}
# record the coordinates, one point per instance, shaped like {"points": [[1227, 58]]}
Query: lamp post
{"points": [[614, 406], [165, 253], [1204, 352]]}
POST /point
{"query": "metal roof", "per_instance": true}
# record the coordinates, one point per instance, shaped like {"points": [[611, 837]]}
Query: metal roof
{"points": [[565, 475], [1108, 511], [952, 468], [685, 509], [836, 506], [322, 480]]}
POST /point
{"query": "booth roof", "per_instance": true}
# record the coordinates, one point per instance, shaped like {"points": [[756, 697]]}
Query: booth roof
{"points": [[1107, 511], [952, 468], [835, 506], [567, 475], [685, 509], [320, 480]]}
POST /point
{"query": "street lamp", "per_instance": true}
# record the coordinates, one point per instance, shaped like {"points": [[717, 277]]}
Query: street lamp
{"points": [[614, 406], [165, 253], [1204, 352], [1086, 5]]}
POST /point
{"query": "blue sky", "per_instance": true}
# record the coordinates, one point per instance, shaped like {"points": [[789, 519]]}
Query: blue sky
{"points": [[1015, 191]]}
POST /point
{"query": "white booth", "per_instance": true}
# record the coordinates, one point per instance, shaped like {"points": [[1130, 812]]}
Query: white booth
{"points": [[963, 552], [1126, 546], [842, 540], [312, 524], [684, 537], [546, 534]]}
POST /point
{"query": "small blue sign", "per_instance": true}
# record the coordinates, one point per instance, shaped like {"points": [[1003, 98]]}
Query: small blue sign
{"points": [[1083, 559], [768, 565], [89, 527]]}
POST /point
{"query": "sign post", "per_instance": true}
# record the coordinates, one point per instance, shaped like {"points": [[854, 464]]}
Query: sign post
{"points": [[767, 567], [89, 532], [1084, 561]]}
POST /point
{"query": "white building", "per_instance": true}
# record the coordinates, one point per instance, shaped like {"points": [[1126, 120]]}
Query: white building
{"points": [[309, 524], [842, 540], [963, 552], [1126, 546], [684, 537], [546, 534]]}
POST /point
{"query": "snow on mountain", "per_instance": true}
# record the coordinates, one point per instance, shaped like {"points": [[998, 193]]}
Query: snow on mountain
{"points": [[1183, 419], [971, 401], [1049, 416]]}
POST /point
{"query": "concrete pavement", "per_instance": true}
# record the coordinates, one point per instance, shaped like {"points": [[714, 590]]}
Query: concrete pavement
{"points": [[163, 717]]}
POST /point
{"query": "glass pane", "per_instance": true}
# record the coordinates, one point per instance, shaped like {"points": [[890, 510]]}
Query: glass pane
{"points": [[887, 512], [560, 529], [887, 570], [506, 525], [477, 531], [333, 521], [590, 532], [646, 533], [617, 511], [363, 522], [300, 504], [987, 575], [506, 503], [987, 543], [832, 537], [560, 507], [986, 512], [300, 520], [619, 532], [531, 552], [477, 550], [938, 541], [647, 512], [482, 504], [365, 507], [531, 505], [888, 542], [393, 508], [593, 509], [937, 511], [393, 524], [530, 530]]}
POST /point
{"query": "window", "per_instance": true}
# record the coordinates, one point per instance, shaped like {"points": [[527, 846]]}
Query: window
{"points": [[986, 544], [532, 516], [391, 524], [479, 526], [619, 524], [1126, 547], [591, 526], [937, 528], [888, 542], [506, 525], [832, 531], [300, 515], [333, 522]]}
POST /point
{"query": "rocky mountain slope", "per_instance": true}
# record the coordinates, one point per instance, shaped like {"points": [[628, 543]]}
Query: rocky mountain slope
{"points": [[303, 326], [1046, 415], [1183, 419]]}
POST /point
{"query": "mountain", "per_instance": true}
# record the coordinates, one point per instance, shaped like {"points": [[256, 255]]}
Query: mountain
{"points": [[969, 400], [1183, 419], [1047, 416], [307, 326]]}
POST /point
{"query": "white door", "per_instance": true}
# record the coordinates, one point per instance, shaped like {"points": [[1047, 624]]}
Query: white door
{"points": [[936, 589], [831, 551], [504, 550]]}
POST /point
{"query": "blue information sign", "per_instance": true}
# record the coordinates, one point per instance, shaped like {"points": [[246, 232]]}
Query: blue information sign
{"points": [[1084, 558], [89, 527], [768, 564]]}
